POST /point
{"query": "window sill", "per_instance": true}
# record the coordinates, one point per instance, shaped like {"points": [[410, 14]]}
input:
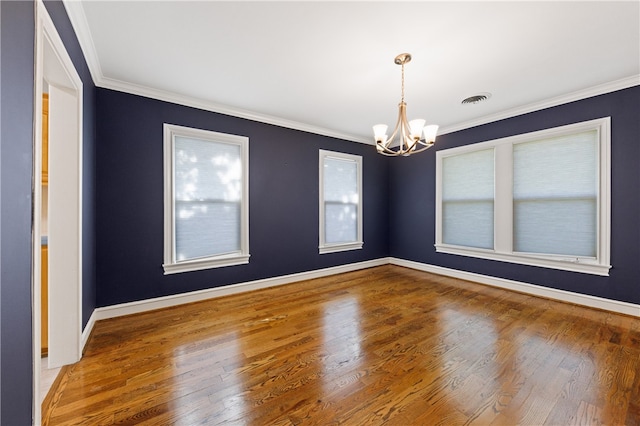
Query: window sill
{"points": [[582, 265], [334, 248], [206, 263]]}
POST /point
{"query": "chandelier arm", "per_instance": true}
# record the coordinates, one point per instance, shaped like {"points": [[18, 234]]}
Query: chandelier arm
{"points": [[398, 127], [406, 130], [385, 150], [390, 153], [424, 148], [424, 142]]}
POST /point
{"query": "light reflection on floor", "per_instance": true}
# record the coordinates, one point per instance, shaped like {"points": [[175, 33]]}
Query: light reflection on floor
{"points": [[229, 394], [511, 366], [342, 340]]}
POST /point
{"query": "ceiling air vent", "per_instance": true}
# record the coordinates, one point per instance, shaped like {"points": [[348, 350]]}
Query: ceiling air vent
{"points": [[480, 97]]}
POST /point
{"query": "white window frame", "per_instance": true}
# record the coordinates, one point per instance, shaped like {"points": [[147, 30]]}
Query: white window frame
{"points": [[325, 247], [171, 265], [503, 204]]}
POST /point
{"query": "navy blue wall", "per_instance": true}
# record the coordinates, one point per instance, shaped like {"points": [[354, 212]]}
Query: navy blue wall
{"points": [[16, 139], [16, 168], [283, 200], [412, 200]]}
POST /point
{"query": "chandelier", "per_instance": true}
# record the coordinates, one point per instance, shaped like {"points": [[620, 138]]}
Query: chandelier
{"points": [[413, 135]]}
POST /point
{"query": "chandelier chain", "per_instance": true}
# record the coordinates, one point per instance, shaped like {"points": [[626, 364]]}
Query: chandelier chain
{"points": [[403, 82]]}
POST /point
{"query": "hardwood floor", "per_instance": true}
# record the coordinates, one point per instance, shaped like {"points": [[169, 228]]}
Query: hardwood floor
{"points": [[386, 345], [47, 378]]}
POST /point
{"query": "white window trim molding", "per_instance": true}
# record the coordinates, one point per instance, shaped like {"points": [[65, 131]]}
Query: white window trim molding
{"points": [[170, 265], [323, 246], [600, 265]]}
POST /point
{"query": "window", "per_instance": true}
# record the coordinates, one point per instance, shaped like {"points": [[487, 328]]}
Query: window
{"points": [[206, 199], [538, 199], [340, 202]]}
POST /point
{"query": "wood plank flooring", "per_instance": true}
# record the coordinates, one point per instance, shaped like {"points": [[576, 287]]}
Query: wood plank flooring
{"points": [[386, 345]]}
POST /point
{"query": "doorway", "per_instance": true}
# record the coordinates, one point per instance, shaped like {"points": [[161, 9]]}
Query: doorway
{"points": [[56, 75]]}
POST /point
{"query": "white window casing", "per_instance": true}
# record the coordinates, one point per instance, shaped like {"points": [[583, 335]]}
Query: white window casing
{"points": [[206, 199], [340, 202], [551, 198]]}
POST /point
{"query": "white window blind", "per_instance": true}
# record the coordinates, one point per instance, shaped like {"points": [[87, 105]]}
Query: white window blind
{"points": [[467, 199], [340, 202], [208, 193], [540, 198], [206, 205], [555, 194]]}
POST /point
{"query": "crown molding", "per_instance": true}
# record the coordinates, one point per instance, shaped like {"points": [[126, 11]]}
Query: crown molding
{"points": [[78, 19], [80, 25], [589, 92], [167, 96]]}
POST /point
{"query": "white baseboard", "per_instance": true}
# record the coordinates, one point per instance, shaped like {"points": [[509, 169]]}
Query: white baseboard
{"points": [[86, 333], [532, 289], [196, 296]]}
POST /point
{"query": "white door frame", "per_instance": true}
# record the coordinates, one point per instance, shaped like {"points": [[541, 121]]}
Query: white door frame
{"points": [[53, 65]]}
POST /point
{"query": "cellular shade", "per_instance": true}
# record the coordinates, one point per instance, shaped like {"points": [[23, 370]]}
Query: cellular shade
{"points": [[468, 199], [340, 200], [208, 192], [555, 194]]}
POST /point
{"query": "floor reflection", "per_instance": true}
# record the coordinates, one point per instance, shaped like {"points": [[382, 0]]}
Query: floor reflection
{"points": [[342, 340], [210, 393], [491, 366], [468, 352]]}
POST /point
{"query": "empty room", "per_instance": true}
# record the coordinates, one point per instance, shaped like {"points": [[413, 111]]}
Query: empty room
{"points": [[320, 212]]}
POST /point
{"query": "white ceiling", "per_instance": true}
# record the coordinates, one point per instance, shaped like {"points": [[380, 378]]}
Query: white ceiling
{"points": [[328, 66]]}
